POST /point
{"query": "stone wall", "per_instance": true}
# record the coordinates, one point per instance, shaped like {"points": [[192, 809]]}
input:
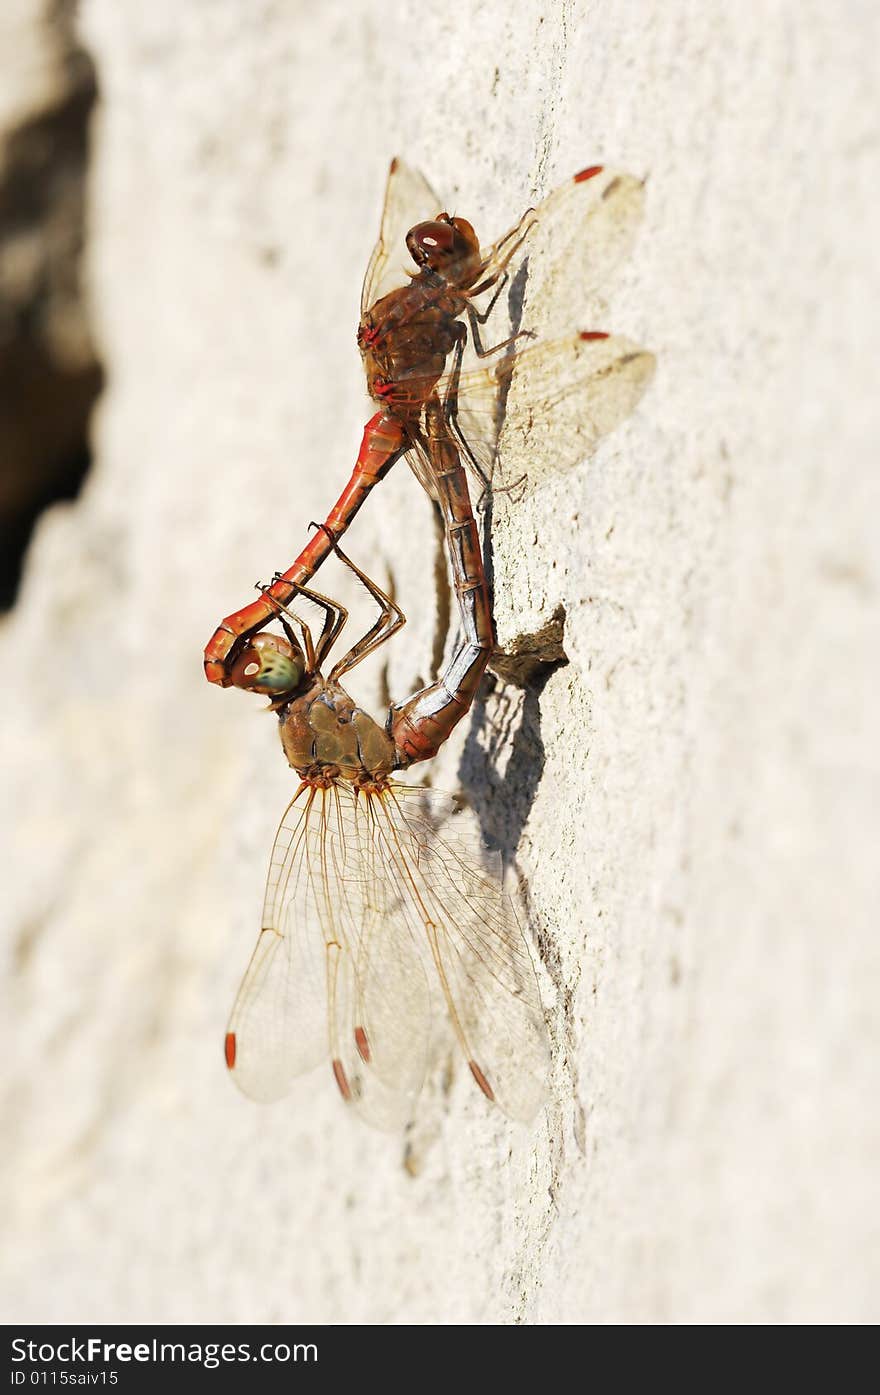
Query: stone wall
{"points": [[691, 799]]}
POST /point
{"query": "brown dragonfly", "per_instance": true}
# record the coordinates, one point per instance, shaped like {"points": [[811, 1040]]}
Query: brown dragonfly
{"points": [[379, 900], [557, 395], [378, 890]]}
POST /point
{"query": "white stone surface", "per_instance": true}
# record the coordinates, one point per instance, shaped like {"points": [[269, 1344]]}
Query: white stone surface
{"points": [[30, 76], [701, 845]]}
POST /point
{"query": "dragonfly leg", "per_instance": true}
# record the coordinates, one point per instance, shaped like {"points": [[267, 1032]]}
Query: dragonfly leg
{"points": [[284, 616], [335, 616], [516, 237], [383, 442], [474, 322], [483, 315], [450, 408], [480, 317], [391, 619], [420, 725]]}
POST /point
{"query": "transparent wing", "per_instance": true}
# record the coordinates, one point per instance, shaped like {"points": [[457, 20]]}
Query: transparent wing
{"points": [[409, 199], [453, 894], [543, 409], [562, 251], [332, 976], [278, 1026], [366, 893], [548, 400], [380, 1003], [561, 398]]}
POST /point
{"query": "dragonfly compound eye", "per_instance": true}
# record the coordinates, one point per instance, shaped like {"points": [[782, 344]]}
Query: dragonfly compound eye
{"points": [[269, 665], [431, 244], [448, 246]]}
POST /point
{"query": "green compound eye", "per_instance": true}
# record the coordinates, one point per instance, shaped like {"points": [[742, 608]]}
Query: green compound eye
{"points": [[270, 665]]}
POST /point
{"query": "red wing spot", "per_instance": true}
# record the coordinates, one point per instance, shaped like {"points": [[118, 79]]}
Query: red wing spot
{"points": [[481, 1080], [342, 1080], [589, 334], [229, 1049], [589, 173], [362, 1044], [393, 166]]}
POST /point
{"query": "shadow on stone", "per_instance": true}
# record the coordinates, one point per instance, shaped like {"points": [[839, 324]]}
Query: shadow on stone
{"points": [[507, 714]]}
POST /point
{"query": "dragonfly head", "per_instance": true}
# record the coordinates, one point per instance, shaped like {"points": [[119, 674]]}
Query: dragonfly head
{"points": [[448, 246], [270, 664]]}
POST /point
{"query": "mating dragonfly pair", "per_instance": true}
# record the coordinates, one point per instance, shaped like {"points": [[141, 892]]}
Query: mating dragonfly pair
{"points": [[379, 898]]}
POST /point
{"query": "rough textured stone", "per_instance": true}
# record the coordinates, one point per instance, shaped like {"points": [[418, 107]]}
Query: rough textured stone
{"points": [[691, 799]]}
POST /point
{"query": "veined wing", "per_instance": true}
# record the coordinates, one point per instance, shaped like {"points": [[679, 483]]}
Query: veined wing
{"points": [[409, 199], [546, 406], [378, 994], [575, 237], [334, 974], [572, 241], [452, 895], [561, 398], [277, 1028], [366, 892], [553, 398]]}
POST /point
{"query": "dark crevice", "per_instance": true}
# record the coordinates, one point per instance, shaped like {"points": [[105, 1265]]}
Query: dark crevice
{"points": [[50, 376], [529, 656]]}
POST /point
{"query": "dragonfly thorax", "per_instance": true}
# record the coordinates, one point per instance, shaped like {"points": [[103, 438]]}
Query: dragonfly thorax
{"points": [[406, 339], [323, 731]]}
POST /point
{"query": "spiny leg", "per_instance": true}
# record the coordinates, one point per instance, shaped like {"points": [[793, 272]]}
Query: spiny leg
{"points": [[483, 315], [450, 409], [281, 610], [480, 317], [450, 401], [474, 320], [335, 617], [508, 257], [391, 619]]}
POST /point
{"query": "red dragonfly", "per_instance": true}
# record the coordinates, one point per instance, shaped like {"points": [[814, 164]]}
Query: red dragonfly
{"points": [[378, 898], [368, 877], [413, 338]]}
